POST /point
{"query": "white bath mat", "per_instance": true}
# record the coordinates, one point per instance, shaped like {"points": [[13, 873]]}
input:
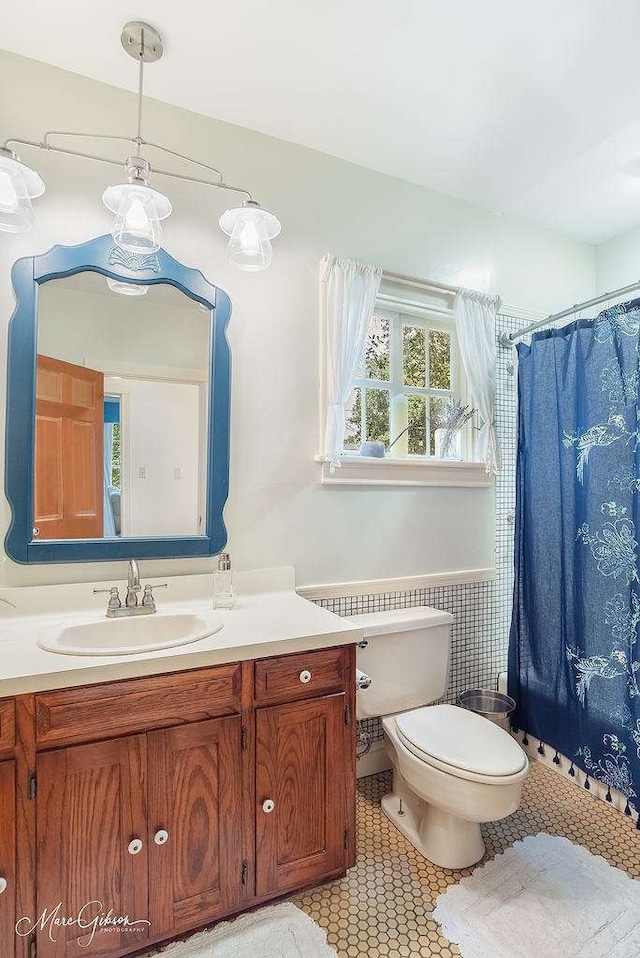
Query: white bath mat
{"points": [[280, 931], [543, 896]]}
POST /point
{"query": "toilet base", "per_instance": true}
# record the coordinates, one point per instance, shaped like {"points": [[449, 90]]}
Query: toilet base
{"points": [[444, 839]]}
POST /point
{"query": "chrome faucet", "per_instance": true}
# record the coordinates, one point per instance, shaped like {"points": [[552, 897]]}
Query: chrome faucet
{"points": [[115, 609], [133, 584]]}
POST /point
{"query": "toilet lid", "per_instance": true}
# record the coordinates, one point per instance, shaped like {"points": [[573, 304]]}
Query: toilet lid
{"points": [[461, 739]]}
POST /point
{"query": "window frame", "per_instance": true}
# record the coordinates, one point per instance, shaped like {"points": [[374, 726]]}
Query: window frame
{"points": [[426, 320]]}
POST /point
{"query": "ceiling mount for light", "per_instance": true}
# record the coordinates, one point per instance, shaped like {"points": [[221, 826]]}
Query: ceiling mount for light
{"points": [[141, 41], [139, 210]]}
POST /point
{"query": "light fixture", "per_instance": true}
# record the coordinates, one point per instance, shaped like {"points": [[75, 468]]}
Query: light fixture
{"points": [[126, 289], [139, 210], [18, 184], [251, 230]]}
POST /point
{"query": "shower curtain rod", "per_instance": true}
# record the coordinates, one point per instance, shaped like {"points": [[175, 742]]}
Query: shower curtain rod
{"points": [[508, 339]]}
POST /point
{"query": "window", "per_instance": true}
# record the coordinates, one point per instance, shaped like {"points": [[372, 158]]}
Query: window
{"points": [[112, 439], [115, 457], [409, 373]]}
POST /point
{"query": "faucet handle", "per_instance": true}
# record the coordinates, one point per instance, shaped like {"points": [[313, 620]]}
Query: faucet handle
{"points": [[114, 597], [147, 597]]}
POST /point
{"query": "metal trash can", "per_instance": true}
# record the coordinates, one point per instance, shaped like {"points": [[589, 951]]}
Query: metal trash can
{"points": [[495, 706]]}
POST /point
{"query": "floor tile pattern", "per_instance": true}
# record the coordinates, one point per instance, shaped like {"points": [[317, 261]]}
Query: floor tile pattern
{"points": [[383, 906]]}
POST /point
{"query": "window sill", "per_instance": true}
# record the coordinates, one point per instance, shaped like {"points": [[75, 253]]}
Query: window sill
{"points": [[368, 471]]}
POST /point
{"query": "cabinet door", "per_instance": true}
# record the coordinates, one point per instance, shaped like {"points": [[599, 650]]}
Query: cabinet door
{"points": [[195, 824], [7, 858], [301, 754], [92, 852]]}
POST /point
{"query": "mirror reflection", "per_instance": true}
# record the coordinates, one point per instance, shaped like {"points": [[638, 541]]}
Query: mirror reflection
{"points": [[122, 386]]}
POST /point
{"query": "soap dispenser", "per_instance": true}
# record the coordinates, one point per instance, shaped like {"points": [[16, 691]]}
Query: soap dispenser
{"points": [[223, 597]]}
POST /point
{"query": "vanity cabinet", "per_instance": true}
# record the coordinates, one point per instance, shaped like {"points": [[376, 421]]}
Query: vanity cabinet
{"points": [[179, 799], [7, 726], [301, 824], [146, 826], [7, 857], [91, 855], [70, 716], [194, 824]]}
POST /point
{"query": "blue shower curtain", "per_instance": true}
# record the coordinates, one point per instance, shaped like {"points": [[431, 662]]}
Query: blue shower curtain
{"points": [[574, 665]]}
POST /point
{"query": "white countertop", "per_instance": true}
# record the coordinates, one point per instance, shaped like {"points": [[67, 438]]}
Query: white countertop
{"points": [[269, 618]]}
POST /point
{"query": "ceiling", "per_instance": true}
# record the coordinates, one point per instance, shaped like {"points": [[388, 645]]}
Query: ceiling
{"points": [[531, 109]]}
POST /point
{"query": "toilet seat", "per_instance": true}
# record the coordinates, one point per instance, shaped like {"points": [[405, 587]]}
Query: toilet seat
{"points": [[461, 743]]}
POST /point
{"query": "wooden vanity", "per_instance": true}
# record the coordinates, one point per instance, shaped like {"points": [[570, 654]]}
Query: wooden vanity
{"points": [[175, 800]]}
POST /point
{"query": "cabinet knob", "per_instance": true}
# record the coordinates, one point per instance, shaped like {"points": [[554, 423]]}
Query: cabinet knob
{"points": [[268, 806], [134, 847], [305, 676], [161, 837], [3, 885]]}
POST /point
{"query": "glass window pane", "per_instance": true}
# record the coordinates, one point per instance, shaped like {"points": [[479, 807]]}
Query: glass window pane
{"points": [[439, 359], [115, 458], [378, 415], [413, 356], [417, 426], [375, 364], [353, 421]]}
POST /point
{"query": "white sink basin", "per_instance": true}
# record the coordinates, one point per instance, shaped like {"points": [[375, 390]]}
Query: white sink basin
{"points": [[130, 635]]}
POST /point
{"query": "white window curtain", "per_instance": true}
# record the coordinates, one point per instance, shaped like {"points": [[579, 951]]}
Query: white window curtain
{"points": [[475, 316], [349, 293]]}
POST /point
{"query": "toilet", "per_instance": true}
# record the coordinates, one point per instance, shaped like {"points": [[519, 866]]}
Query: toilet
{"points": [[452, 769]]}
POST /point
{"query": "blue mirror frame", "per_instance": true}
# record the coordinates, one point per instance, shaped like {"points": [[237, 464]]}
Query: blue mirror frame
{"points": [[100, 255]]}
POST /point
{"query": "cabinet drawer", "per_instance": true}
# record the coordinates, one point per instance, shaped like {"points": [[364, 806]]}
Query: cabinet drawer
{"points": [[301, 676], [118, 708], [7, 725]]}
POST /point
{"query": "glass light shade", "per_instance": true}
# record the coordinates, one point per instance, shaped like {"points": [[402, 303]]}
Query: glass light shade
{"points": [[18, 183], [139, 211], [126, 289], [251, 230]]}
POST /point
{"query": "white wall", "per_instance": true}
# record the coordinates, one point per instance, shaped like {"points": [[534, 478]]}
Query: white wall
{"points": [[111, 331], [277, 512], [618, 262], [160, 434]]}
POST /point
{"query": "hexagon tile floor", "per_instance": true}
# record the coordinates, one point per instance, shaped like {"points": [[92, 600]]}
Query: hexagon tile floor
{"points": [[383, 906]]}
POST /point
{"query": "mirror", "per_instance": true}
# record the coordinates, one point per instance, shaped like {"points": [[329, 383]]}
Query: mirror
{"points": [[122, 388], [120, 368]]}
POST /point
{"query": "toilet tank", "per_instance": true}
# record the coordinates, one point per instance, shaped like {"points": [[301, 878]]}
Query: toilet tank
{"points": [[406, 657]]}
